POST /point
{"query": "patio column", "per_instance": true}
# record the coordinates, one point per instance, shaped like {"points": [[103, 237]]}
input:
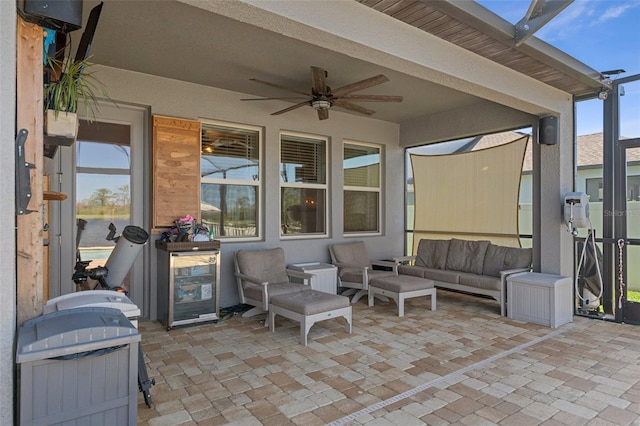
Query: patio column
{"points": [[553, 178]]}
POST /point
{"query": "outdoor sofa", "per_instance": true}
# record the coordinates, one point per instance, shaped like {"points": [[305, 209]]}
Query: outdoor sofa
{"points": [[476, 267]]}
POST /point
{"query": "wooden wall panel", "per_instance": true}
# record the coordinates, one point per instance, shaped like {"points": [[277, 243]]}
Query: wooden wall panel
{"points": [[29, 116], [176, 170]]}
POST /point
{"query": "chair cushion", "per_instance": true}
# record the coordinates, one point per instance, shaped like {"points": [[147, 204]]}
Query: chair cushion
{"points": [[466, 256], [401, 283], [432, 253], [355, 276], [499, 258], [352, 254], [266, 265], [254, 292], [310, 302]]}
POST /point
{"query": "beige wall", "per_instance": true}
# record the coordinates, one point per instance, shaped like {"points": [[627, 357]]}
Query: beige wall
{"points": [[179, 99]]}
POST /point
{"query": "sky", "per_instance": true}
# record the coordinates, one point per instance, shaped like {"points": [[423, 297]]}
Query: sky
{"points": [[603, 34]]}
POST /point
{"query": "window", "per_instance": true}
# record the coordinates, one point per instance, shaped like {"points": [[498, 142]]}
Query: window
{"points": [[594, 189], [361, 188], [103, 187], [230, 183], [303, 185]]}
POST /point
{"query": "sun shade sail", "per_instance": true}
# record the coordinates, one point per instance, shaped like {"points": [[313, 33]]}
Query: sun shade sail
{"points": [[470, 195]]}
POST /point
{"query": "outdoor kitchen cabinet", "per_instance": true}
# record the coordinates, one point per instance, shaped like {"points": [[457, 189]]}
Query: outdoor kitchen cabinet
{"points": [[188, 287]]}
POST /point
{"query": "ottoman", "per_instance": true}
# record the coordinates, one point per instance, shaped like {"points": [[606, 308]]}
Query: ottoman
{"points": [[308, 307], [401, 287]]}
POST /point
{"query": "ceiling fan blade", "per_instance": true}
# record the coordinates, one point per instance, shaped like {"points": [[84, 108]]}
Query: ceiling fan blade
{"points": [[352, 107], [371, 98], [291, 108], [360, 85], [273, 99], [323, 113], [279, 87], [318, 81]]}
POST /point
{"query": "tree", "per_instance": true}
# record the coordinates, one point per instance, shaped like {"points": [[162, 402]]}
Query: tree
{"points": [[122, 196], [102, 196]]}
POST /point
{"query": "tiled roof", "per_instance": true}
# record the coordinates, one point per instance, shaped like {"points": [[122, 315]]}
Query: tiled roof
{"points": [[496, 139], [589, 149]]}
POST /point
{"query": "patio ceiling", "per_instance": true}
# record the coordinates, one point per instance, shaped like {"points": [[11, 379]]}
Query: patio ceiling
{"points": [[470, 26], [175, 40]]}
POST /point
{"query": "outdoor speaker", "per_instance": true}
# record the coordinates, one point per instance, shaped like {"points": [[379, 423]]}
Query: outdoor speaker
{"points": [[548, 130], [59, 15]]}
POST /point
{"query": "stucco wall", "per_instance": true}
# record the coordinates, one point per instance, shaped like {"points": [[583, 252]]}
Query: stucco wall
{"points": [[7, 207], [174, 98]]}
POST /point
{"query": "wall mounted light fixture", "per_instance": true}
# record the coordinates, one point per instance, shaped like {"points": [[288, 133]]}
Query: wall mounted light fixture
{"points": [[603, 94]]}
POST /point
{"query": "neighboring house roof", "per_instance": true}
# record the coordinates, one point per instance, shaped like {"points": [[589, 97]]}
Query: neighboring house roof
{"points": [[472, 27], [489, 141], [589, 149]]}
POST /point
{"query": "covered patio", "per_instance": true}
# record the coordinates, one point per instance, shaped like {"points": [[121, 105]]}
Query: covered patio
{"points": [[194, 60], [462, 364]]}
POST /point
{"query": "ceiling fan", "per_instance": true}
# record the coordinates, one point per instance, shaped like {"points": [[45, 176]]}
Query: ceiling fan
{"points": [[322, 97]]}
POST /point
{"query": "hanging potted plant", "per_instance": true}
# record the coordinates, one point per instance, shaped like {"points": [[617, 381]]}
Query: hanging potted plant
{"points": [[75, 85]]}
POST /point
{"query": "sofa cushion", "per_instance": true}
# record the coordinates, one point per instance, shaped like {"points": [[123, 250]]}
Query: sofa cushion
{"points": [[500, 258], [432, 253], [518, 258], [414, 271], [429, 273], [466, 256], [480, 281], [442, 275]]}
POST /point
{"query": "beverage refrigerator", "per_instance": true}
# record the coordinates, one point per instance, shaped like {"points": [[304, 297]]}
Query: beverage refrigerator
{"points": [[188, 287]]}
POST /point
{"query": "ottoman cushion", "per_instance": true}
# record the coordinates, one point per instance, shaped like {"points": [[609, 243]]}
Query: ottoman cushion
{"points": [[310, 302], [402, 283]]}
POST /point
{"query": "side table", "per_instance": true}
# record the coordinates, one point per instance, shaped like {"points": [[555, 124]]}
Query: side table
{"points": [[544, 299], [325, 275]]}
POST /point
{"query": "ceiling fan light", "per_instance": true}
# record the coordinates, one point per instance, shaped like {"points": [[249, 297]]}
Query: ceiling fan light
{"points": [[321, 104]]}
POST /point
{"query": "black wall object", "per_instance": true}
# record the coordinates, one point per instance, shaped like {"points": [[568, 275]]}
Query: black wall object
{"points": [[59, 15], [87, 36], [23, 176], [548, 130]]}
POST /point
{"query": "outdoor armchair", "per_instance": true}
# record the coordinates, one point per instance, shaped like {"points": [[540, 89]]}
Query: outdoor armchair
{"points": [[261, 275], [355, 268]]}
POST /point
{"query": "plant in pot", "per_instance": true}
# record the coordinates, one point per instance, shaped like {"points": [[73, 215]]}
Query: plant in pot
{"points": [[74, 85]]}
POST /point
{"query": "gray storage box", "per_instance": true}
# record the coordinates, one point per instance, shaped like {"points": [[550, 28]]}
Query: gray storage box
{"points": [[78, 366], [544, 299], [325, 275], [95, 298]]}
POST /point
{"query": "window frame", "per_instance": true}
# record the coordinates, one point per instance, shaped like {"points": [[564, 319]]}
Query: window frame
{"points": [[378, 189], [302, 185], [258, 183]]}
